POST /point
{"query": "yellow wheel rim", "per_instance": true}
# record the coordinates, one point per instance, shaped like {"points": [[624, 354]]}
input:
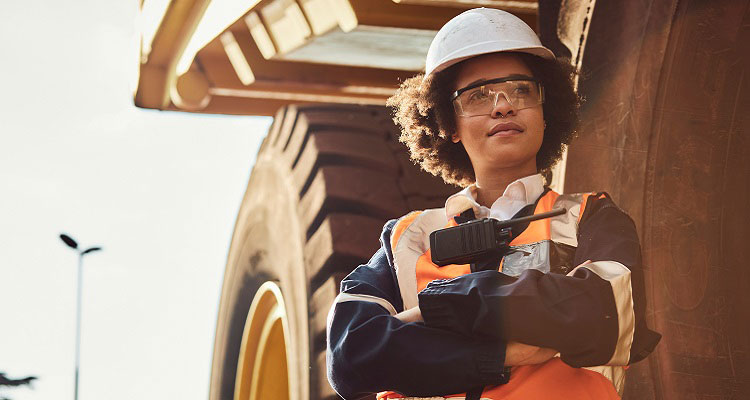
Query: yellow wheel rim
{"points": [[262, 371]]}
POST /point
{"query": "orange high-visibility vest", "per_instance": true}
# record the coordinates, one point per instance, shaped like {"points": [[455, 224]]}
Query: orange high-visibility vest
{"points": [[547, 245]]}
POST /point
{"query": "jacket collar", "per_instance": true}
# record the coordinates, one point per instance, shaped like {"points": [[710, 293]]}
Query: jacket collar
{"points": [[518, 194]]}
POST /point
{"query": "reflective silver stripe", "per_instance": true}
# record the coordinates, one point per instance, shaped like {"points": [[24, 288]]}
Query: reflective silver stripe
{"points": [[527, 256], [564, 228], [618, 277], [414, 241], [344, 297], [615, 374]]}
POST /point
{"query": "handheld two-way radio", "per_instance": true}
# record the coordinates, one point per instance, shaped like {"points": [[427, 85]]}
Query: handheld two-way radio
{"points": [[478, 239]]}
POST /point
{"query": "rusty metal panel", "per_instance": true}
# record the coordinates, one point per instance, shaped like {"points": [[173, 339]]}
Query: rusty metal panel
{"points": [[667, 132]]}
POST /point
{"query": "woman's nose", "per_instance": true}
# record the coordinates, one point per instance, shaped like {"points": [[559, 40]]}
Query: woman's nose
{"points": [[503, 107]]}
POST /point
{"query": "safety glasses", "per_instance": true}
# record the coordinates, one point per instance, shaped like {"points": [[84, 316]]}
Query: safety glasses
{"points": [[482, 97]]}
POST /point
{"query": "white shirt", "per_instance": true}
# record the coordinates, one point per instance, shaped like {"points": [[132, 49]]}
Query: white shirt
{"points": [[518, 194]]}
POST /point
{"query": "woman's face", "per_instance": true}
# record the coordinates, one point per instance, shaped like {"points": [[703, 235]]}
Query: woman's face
{"points": [[505, 138]]}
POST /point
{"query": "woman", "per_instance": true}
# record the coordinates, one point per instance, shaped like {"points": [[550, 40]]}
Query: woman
{"points": [[492, 113]]}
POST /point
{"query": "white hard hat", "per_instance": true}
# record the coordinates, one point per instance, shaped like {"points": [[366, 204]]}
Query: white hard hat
{"points": [[481, 31]]}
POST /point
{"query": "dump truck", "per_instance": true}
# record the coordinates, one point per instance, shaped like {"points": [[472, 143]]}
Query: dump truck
{"points": [[665, 120]]}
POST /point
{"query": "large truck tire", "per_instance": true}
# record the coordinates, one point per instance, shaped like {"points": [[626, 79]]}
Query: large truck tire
{"points": [[325, 181], [666, 132]]}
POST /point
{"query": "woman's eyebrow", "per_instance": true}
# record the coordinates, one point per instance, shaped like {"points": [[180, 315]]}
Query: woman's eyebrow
{"points": [[509, 77], [476, 81], [519, 76]]}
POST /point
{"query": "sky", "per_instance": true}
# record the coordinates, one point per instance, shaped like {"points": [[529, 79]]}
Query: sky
{"points": [[159, 191]]}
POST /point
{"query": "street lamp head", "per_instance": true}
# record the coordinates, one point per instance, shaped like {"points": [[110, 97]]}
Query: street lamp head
{"points": [[91, 250], [69, 241]]}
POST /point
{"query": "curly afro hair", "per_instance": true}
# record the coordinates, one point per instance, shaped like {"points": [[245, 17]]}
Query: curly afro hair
{"points": [[424, 111]]}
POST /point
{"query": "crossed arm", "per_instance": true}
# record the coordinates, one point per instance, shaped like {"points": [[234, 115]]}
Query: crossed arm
{"points": [[516, 353], [477, 323]]}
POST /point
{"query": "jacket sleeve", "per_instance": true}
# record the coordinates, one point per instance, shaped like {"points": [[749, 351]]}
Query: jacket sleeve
{"points": [[369, 350], [592, 316]]}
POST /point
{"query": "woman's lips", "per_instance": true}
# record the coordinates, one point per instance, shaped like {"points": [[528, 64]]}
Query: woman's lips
{"points": [[505, 129]]}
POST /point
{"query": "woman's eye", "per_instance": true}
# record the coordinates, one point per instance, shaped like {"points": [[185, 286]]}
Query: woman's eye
{"points": [[523, 89], [477, 95]]}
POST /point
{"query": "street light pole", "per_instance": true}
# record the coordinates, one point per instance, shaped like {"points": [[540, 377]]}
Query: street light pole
{"points": [[79, 289]]}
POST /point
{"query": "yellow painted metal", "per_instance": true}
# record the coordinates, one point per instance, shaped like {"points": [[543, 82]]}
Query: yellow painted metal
{"points": [[262, 368], [237, 58], [225, 56], [297, 97], [261, 36], [270, 377], [318, 13], [164, 38], [191, 91], [150, 19], [286, 24], [367, 46], [218, 16]]}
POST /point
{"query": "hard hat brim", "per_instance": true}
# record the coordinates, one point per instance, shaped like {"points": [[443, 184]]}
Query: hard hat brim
{"points": [[495, 46]]}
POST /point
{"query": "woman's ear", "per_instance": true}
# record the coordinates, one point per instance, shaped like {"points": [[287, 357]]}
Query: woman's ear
{"points": [[455, 138]]}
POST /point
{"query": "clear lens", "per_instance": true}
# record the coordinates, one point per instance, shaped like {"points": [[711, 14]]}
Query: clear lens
{"points": [[481, 100]]}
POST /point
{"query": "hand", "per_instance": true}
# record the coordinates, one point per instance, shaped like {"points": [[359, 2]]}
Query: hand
{"points": [[523, 354], [410, 315]]}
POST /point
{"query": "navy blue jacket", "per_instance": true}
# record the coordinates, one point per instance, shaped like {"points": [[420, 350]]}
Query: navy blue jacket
{"points": [[469, 319]]}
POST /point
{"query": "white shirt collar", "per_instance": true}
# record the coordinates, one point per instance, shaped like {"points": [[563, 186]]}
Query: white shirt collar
{"points": [[518, 194]]}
